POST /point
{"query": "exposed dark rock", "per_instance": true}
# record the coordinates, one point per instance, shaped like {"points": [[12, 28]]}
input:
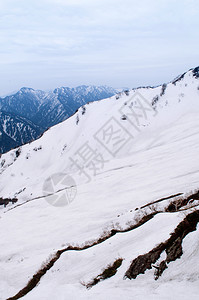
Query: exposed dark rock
{"points": [[160, 269], [110, 271], [177, 204], [144, 262], [6, 201], [164, 86], [179, 78], [124, 117], [173, 248], [155, 100], [196, 72]]}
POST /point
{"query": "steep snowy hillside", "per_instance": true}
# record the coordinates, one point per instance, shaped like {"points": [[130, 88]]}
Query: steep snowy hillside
{"points": [[41, 110], [16, 131], [109, 195]]}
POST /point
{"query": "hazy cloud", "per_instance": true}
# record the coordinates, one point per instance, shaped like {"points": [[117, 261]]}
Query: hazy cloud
{"points": [[48, 43]]}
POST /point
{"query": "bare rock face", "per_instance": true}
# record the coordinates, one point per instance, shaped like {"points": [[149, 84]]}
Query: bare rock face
{"points": [[173, 248]]}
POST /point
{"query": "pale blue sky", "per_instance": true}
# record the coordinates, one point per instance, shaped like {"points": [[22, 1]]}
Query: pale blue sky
{"points": [[50, 43]]}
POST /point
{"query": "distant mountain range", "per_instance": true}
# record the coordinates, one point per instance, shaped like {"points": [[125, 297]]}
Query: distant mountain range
{"points": [[25, 115]]}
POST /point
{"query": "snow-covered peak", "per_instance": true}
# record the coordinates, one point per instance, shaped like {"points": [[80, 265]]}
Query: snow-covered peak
{"points": [[26, 89], [44, 109]]}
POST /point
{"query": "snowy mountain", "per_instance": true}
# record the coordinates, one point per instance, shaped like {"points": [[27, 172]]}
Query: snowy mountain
{"points": [[38, 110], [105, 204], [16, 130]]}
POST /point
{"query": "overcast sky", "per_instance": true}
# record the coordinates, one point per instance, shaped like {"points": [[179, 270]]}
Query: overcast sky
{"points": [[122, 43]]}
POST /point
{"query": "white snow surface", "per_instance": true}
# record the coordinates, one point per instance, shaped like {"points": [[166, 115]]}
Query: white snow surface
{"points": [[159, 160]]}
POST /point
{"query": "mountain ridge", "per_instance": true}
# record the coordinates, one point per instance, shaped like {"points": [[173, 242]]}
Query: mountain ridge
{"points": [[45, 109], [69, 218]]}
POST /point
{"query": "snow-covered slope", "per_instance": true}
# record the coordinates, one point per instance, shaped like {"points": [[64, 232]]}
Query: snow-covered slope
{"points": [[16, 130], [128, 166]]}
